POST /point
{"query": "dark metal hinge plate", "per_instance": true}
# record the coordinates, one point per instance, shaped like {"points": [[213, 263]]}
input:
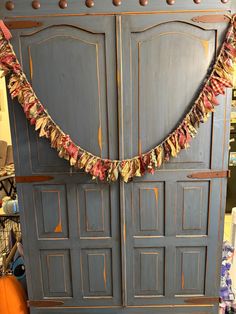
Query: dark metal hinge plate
{"points": [[216, 18], [210, 174], [31, 179], [22, 24]]}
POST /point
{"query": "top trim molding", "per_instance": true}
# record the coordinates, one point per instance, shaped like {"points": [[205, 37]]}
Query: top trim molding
{"points": [[22, 8]]}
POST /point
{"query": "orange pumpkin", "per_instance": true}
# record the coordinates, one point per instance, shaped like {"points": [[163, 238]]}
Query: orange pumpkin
{"points": [[12, 296]]}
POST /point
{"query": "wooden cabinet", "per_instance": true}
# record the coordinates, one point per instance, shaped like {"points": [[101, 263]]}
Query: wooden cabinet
{"points": [[119, 83]]}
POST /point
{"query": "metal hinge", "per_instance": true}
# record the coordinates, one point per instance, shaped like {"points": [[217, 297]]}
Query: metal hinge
{"points": [[202, 300], [210, 174], [29, 179], [22, 24], [216, 18]]}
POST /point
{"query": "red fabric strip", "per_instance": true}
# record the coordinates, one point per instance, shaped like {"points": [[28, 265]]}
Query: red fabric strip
{"points": [[7, 34]]}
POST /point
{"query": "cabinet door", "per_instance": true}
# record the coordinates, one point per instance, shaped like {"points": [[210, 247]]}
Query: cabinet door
{"points": [[118, 86], [173, 223], [71, 223]]}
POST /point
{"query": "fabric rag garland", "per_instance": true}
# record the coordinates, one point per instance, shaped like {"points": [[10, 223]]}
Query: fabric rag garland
{"points": [[220, 78]]}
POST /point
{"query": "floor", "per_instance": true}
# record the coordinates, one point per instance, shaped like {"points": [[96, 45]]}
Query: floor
{"points": [[227, 228]]}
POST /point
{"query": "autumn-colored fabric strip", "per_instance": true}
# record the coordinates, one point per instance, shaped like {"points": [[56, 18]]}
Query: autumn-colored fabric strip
{"points": [[216, 83]]}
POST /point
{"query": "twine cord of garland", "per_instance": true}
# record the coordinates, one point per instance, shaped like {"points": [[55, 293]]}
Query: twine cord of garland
{"points": [[220, 78]]}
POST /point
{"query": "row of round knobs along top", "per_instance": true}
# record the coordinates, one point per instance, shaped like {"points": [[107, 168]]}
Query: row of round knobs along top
{"points": [[63, 4]]}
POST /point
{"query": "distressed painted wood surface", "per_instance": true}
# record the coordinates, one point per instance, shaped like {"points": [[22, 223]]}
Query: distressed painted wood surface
{"points": [[119, 85], [171, 221], [44, 7]]}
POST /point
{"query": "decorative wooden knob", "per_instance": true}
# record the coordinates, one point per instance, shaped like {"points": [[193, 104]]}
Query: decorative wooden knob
{"points": [[36, 4], [89, 3], [224, 1], [117, 2], [143, 2], [63, 4], [197, 1], [9, 5], [170, 2]]}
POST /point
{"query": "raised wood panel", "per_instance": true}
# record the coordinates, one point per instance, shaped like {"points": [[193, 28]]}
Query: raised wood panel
{"points": [[190, 270], [96, 273], [159, 96], [192, 207], [80, 106], [148, 208], [56, 273], [50, 206], [148, 272], [94, 210]]}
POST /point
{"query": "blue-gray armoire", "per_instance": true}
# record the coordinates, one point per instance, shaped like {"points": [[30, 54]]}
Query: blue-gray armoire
{"points": [[118, 76]]}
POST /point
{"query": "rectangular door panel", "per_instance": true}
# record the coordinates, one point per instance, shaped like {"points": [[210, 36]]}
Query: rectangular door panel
{"points": [[148, 208], [192, 207], [190, 270], [148, 272], [56, 273], [96, 273], [94, 210], [159, 100], [87, 52], [50, 205]]}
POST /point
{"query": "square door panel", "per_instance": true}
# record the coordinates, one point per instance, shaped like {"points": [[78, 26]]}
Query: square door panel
{"points": [[148, 208], [148, 272], [190, 270], [94, 210], [192, 207], [50, 204], [56, 273], [96, 273]]}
